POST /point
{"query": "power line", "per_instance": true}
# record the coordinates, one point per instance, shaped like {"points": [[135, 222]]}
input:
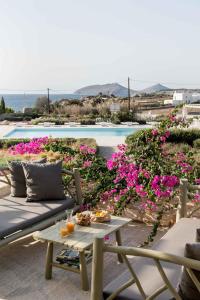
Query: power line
{"points": [[129, 95], [48, 101]]}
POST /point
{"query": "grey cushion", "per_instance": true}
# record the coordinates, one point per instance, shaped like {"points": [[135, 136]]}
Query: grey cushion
{"points": [[44, 181], [18, 183], [187, 288], [172, 242], [198, 235], [17, 214]]}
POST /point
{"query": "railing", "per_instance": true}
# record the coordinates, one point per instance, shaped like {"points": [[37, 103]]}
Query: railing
{"points": [[99, 248], [186, 193]]}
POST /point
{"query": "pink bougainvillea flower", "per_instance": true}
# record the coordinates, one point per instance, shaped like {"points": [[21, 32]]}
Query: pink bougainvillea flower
{"points": [[106, 238], [140, 191], [167, 134], [145, 173], [163, 139], [196, 198], [154, 132], [122, 147], [35, 146], [87, 164], [197, 181], [148, 204], [84, 149], [163, 186]]}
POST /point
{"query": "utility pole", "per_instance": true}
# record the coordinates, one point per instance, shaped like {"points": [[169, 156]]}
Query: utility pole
{"points": [[48, 101], [129, 95]]}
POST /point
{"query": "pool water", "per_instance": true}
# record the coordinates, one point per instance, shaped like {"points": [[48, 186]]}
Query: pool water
{"points": [[78, 132]]}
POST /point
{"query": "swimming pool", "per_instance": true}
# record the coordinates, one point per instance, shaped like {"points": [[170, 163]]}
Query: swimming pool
{"points": [[76, 132]]}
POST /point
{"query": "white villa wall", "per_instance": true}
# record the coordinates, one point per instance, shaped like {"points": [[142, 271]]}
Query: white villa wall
{"points": [[185, 97]]}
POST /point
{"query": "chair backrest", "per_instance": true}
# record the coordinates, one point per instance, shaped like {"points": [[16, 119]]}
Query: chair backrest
{"points": [[5, 173], [74, 176]]}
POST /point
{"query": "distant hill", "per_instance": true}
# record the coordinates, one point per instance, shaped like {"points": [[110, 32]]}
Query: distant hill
{"points": [[154, 88], [106, 89]]}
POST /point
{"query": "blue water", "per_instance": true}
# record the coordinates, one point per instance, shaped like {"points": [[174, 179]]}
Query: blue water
{"points": [[19, 101], [78, 132]]}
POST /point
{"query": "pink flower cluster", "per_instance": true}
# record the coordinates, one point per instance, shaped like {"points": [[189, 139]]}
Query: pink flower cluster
{"points": [[163, 186], [35, 146], [182, 163], [84, 149], [133, 180], [196, 198], [106, 196], [148, 204], [197, 181], [87, 164], [161, 136]]}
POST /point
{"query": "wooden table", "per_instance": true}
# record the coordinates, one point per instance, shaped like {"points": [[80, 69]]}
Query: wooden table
{"points": [[81, 239]]}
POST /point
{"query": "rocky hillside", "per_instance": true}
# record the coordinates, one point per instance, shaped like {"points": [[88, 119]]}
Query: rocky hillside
{"points": [[118, 90], [106, 89], [154, 89]]}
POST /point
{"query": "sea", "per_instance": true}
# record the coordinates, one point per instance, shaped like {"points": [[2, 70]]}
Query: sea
{"points": [[18, 101]]}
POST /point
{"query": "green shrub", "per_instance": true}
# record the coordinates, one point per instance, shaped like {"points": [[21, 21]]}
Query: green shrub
{"points": [[17, 117], [86, 141], [131, 140], [175, 148], [123, 116], [115, 120], [7, 143], [87, 122], [177, 136], [59, 146], [187, 136], [141, 122], [57, 121], [196, 143]]}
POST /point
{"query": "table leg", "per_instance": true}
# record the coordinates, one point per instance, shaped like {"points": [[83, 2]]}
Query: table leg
{"points": [[119, 243], [49, 260], [83, 272]]}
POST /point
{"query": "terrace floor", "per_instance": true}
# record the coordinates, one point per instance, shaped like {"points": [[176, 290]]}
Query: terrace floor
{"points": [[22, 269]]}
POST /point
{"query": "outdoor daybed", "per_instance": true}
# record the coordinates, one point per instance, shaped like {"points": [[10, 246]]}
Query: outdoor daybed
{"points": [[19, 218], [153, 274]]}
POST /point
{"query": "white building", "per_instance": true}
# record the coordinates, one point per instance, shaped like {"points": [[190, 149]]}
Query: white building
{"points": [[27, 110], [185, 97], [168, 101]]}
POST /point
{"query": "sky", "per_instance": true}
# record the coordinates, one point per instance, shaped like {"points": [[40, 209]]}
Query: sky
{"points": [[68, 44]]}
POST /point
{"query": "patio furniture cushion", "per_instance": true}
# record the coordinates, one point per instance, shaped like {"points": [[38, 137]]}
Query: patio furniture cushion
{"points": [[17, 214], [44, 181], [18, 183], [198, 235], [187, 289], [172, 242]]}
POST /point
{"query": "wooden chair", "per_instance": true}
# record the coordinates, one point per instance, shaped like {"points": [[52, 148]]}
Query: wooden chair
{"points": [[164, 262]]}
